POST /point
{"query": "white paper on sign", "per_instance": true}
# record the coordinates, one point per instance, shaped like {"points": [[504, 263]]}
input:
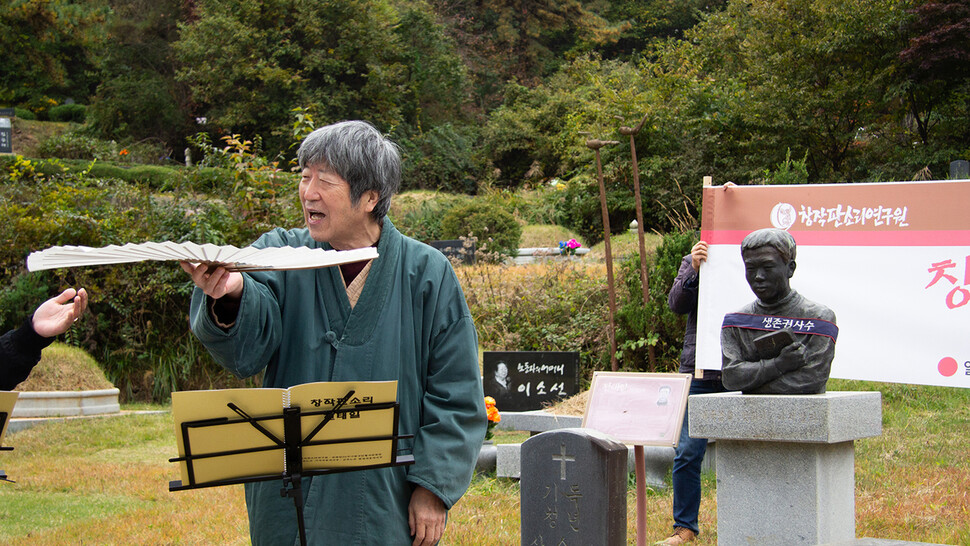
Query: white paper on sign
{"points": [[232, 258]]}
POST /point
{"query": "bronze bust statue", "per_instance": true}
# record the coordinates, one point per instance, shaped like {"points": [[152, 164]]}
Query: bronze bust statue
{"points": [[781, 343]]}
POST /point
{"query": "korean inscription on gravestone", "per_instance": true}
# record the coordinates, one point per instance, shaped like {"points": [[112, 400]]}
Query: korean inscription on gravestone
{"points": [[573, 489], [525, 380]]}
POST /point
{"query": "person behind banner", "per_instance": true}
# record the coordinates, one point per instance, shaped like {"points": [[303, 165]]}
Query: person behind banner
{"points": [[782, 343], [689, 453], [401, 316], [20, 349]]}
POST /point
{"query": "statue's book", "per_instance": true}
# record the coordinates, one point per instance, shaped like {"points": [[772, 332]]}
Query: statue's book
{"points": [[237, 433]]}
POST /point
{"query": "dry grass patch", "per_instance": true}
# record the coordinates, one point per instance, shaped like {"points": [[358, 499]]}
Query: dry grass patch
{"points": [[574, 405], [544, 236], [65, 368], [105, 481], [624, 243], [27, 134]]}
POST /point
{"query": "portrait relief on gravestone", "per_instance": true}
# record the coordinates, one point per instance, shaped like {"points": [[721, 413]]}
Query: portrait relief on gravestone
{"points": [[782, 342]]}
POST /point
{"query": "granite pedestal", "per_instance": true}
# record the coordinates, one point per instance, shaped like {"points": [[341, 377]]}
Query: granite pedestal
{"points": [[786, 463]]}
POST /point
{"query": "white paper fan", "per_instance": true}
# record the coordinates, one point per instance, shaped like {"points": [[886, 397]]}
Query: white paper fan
{"points": [[232, 258]]}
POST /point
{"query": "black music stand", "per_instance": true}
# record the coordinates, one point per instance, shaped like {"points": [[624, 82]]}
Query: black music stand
{"points": [[292, 445], [3, 423]]}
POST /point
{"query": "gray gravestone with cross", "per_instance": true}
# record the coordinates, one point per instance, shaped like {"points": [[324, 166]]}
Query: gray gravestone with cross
{"points": [[573, 489]]}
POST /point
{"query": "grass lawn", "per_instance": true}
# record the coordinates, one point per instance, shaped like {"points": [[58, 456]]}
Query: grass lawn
{"points": [[105, 481]]}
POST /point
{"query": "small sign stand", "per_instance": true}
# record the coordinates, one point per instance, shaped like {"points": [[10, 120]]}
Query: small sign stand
{"points": [[638, 409], [292, 444]]}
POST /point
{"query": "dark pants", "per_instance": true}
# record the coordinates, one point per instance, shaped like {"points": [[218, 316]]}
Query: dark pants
{"points": [[687, 465]]}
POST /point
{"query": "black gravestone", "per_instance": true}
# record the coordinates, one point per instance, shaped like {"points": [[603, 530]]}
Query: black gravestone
{"points": [[456, 249], [6, 136], [531, 378], [573, 486]]}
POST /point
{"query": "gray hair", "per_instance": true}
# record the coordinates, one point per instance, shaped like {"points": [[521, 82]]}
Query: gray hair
{"points": [[779, 239], [359, 154]]}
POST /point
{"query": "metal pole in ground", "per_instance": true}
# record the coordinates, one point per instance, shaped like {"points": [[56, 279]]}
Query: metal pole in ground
{"points": [[644, 279], [595, 145]]}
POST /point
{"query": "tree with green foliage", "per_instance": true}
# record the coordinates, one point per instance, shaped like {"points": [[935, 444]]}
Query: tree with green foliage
{"points": [[522, 40], [249, 64], [651, 20], [138, 97], [936, 61], [812, 73], [436, 82], [47, 52]]}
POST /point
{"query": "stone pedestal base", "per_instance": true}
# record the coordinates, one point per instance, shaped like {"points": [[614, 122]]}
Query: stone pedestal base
{"points": [[785, 493], [785, 464]]}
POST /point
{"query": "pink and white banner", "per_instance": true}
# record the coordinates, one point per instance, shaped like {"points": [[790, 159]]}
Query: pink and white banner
{"points": [[891, 259]]}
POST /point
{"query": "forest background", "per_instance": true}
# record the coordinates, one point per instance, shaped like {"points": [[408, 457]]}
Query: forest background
{"points": [[491, 102]]}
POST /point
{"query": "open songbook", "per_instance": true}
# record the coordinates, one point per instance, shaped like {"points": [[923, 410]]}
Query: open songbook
{"points": [[228, 436], [231, 257]]}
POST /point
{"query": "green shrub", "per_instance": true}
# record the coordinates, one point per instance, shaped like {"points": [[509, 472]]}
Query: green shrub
{"points": [[536, 206], [154, 177], [639, 327], [22, 295], [421, 218], [24, 113], [157, 177], [68, 112], [139, 104], [74, 145], [496, 230], [440, 158]]}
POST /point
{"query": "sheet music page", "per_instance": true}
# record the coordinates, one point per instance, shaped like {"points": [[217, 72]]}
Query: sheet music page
{"points": [[189, 406], [312, 397], [7, 401]]}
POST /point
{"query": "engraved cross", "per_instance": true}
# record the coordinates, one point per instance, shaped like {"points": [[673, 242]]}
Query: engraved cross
{"points": [[563, 459]]}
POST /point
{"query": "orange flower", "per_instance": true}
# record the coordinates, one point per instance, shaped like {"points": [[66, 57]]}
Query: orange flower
{"points": [[124, 151], [489, 402], [493, 414]]}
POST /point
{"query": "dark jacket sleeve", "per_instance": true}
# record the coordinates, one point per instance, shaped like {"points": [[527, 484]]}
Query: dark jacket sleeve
{"points": [[19, 353], [682, 298]]}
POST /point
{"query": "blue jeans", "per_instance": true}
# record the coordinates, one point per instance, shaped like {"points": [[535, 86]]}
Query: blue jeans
{"points": [[687, 465]]}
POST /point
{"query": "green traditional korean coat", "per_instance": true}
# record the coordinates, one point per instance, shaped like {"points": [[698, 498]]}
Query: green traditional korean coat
{"points": [[411, 324]]}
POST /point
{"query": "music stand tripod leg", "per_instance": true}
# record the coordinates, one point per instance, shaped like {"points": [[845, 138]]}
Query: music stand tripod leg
{"points": [[293, 438], [296, 492]]}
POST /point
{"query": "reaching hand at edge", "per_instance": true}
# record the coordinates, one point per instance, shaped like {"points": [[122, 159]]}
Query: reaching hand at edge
{"points": [[57, 314]]}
